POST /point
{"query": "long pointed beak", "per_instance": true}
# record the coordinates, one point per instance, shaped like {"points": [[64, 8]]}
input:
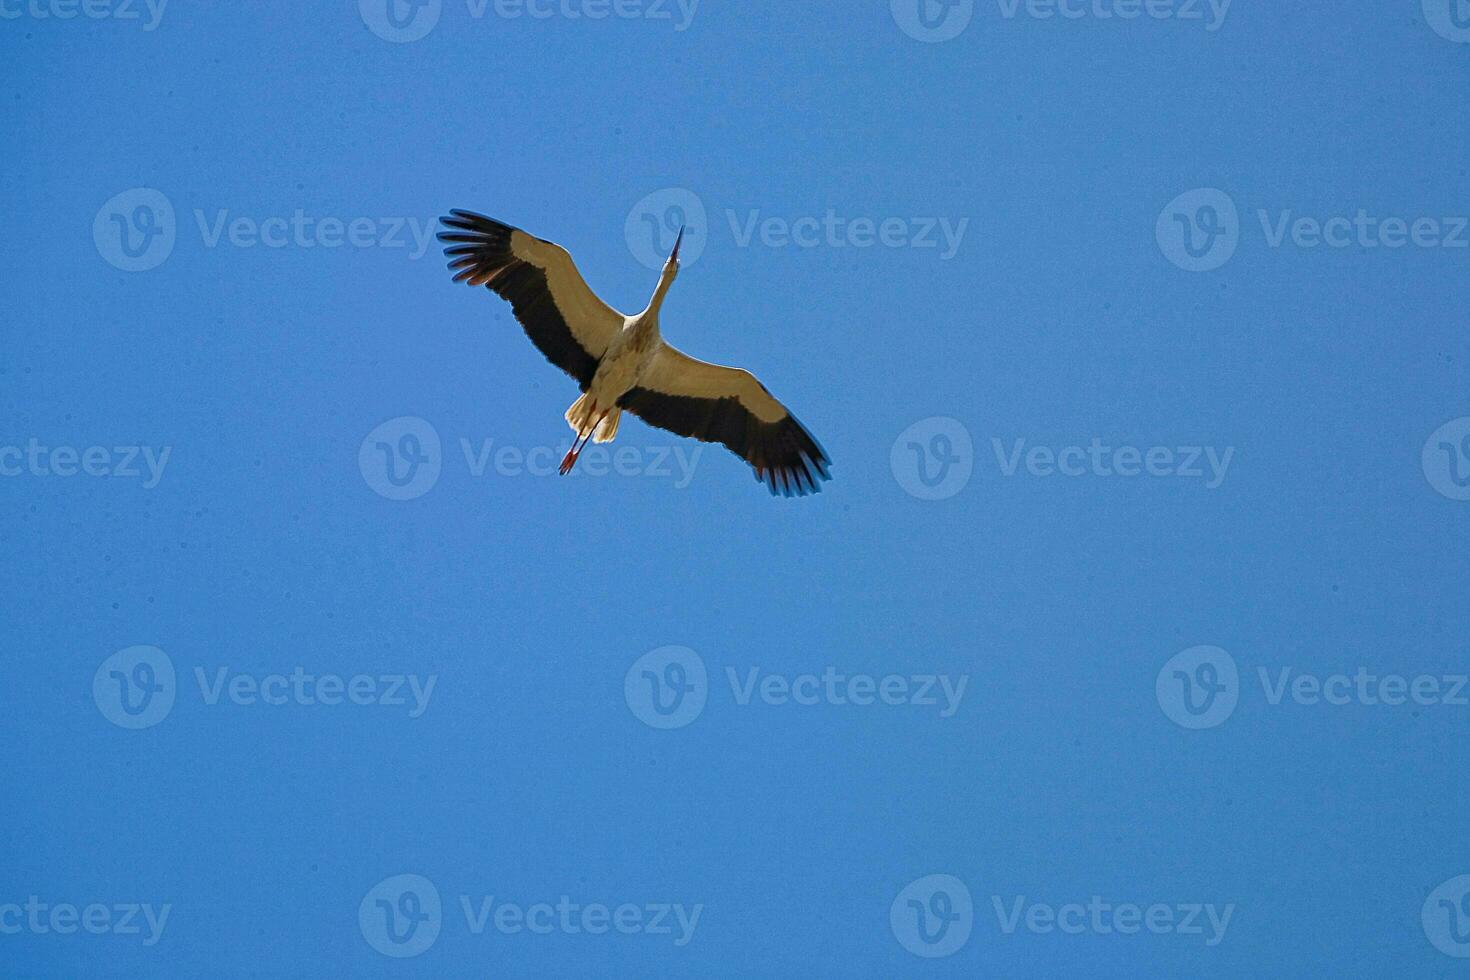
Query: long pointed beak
{"points": [[674, 256]]}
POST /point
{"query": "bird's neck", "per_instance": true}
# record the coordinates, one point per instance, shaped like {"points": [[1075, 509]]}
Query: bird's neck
{"points": [[656, 303]]}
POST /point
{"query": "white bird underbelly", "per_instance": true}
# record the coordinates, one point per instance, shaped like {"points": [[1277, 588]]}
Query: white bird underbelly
{"points": [[597, 412]]}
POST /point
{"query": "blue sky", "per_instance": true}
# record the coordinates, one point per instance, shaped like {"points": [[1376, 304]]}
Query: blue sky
{"points": [[1127, 640]]}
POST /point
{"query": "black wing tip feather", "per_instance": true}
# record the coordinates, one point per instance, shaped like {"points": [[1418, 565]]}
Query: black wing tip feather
{"points": [[477, 246], [801, 465], [464, 220]]}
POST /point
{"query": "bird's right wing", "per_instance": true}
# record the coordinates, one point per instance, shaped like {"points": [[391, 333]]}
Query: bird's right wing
{"points": [[712, 403], [558, 310]]}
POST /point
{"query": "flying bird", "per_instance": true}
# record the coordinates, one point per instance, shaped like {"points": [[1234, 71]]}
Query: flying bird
{"points": [[622, 363]]}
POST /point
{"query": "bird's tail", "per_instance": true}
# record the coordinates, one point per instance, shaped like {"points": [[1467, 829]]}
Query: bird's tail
{"points": [[581, 416], [607, 429], [585, 416]]}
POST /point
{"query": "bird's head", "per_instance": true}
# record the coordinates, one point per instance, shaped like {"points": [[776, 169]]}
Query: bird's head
{"points": [[671, 267]]}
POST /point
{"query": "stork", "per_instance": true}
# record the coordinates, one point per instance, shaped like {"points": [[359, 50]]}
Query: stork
{"points": [[622, 362]]}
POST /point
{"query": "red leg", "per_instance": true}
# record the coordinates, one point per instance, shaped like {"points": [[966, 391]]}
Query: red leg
{"points": [[570, 459]]}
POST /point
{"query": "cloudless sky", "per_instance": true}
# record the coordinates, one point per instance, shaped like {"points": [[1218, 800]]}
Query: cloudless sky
{"points": [[268, 541]]}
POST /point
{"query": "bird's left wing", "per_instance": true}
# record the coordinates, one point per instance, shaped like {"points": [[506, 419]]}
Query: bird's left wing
{"points": [[728, 405], [558, 310]]}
